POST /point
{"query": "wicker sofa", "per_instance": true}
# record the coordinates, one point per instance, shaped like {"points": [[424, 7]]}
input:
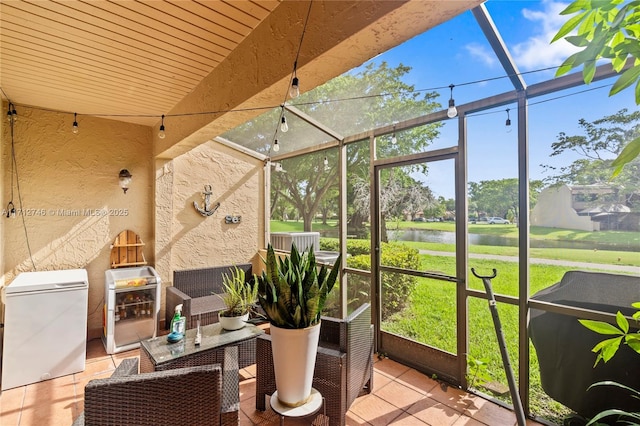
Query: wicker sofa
{"points": [[185, 396], [197, 290], [344, 363]]}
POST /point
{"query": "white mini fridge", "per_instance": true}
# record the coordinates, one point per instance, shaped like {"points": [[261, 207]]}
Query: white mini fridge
{"points": [[45, 331]]}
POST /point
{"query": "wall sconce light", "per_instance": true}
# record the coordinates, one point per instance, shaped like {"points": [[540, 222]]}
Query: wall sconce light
{"points": [[125, 179]]}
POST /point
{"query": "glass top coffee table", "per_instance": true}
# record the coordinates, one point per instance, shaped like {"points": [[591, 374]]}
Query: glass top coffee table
{"points": [[158, 354], [231, 349]]}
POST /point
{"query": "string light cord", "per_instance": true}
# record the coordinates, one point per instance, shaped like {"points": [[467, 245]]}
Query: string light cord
{"points": [[270, 107], [14, 165], [590, 89], [291, 77]]}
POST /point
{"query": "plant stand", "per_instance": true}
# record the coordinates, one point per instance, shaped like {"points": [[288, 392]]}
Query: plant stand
{"points": [[312, 406]]}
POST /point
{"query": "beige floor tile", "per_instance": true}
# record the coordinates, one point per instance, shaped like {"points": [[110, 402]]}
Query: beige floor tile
{"points": [[248, 390], [11, 406], [418, 381], [406, 419], [450, 396], [399, 395], [96, 367], [58, 413], [391, 368], [95, 350], [375, 410], [352, 420], [492, 414], [467, 421], [380, 380], [434, 413]]}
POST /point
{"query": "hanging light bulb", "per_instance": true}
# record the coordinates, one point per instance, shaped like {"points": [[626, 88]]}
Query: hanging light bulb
{"points": [[161, 133], [75, 129], [294, 90], [507, 124], [394, 139], [452, 111], [283, 125], [326, 163], [276, 146], [11, 210], [12, 115]]}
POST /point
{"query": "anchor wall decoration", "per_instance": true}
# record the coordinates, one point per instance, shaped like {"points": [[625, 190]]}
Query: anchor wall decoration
{"points": [[206, 196]]}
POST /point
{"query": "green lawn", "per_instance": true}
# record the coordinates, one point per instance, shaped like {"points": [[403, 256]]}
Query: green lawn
{"points": [[511, 231], [428, 317]]}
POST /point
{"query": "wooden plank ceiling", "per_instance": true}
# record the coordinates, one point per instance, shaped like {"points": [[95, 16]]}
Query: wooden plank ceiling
{"points": [[131, 60]]}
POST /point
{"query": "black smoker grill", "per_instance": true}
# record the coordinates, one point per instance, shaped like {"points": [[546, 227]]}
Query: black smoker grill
{"points": [[564, 346]]}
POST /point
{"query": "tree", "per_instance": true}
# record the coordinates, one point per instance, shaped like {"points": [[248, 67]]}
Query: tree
{"points": [[500, 197], [383, 98], [400, 196], [602, 140], [606, 29]]}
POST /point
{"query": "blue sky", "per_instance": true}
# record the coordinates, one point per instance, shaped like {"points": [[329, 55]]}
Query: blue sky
{"points": [[457, 53]]}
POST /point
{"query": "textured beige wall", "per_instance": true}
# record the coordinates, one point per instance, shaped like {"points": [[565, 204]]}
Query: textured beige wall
{"points": [[69, 189], [184, 238]]}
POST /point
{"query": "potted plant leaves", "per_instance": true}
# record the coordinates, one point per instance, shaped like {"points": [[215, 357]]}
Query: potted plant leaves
{"points": [[292, 291], [239, 296]]}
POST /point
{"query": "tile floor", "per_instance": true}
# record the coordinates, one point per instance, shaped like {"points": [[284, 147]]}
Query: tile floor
{"points": [[401, 397]]}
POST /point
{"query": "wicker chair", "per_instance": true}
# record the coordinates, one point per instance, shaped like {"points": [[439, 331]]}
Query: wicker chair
{"points": [[197, 290], [344, 363], [185, 396]]}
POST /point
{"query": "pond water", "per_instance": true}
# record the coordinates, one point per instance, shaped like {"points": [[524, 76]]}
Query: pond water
{"points": [[430, 236]]}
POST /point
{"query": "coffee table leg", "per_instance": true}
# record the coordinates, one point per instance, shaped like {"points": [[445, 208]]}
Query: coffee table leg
{"points": [[230, 385]]}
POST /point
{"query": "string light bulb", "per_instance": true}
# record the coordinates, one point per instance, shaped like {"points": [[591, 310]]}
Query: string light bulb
{"points": [[452, 111], [507, 124], [283, 125], [394, 139], [161, 133], [294, 90], [326, 163], [75, 128], [11, 210], [276, 146], [12, 114]]}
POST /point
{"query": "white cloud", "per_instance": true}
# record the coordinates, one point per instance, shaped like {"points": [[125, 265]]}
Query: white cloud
{"points": [[480, 52], [538, 51]]}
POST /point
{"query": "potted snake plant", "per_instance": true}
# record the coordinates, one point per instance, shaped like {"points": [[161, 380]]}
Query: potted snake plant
{"points": [[292, 291], [239, 296]]}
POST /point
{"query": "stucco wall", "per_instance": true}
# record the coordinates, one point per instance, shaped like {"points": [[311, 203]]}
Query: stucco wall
{"points": [[69, 189], [554, 210], [184, 238]]}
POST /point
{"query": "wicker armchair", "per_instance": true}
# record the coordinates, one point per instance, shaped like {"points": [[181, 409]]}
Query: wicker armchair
{"points": [[197, 290], [185, 396], [344, 363]]}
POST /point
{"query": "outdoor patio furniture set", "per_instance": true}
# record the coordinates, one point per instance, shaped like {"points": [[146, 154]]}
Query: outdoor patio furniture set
{"points": [[184, 383]]}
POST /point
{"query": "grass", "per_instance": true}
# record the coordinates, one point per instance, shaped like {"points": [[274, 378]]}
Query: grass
{"points": [[429, 318], [610, 257]]}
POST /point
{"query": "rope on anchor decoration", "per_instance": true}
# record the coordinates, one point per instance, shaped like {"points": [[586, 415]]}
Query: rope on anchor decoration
{"points": [[206, 196]]}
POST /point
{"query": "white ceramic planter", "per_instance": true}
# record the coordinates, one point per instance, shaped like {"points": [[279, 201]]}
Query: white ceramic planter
{"points": [[294, 360], [233, 323]]}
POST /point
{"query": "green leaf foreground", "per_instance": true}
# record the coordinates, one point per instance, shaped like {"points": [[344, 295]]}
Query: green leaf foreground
{"points": [[605, 29]]}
